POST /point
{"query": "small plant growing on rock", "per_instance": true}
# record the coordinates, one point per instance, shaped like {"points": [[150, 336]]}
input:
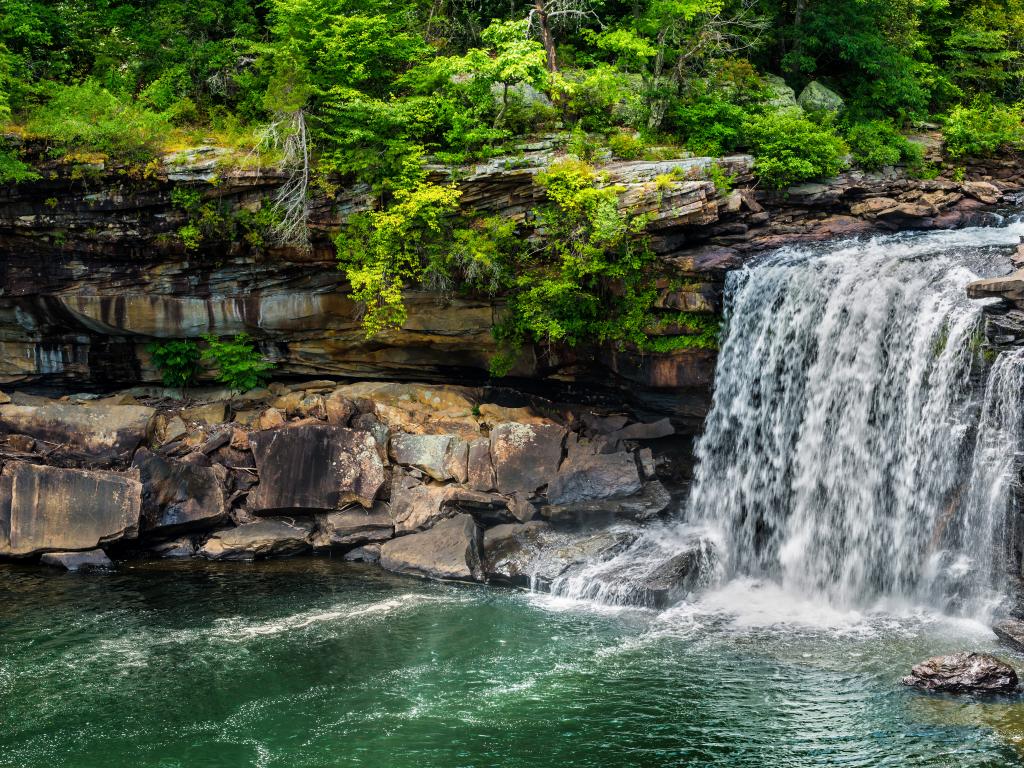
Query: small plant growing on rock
{"points": [[239, 364], [177, 361]]}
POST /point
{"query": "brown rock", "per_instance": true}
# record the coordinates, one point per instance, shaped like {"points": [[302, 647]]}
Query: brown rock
{"points": [[239, 440], [354, 526], [525, 457], [479, 470], [209, 414], [452, 549], [77, 561], [270, 537], [178, 496], [314, 468], [271, 419], [591, 477], [46, 508], [339, 410]]}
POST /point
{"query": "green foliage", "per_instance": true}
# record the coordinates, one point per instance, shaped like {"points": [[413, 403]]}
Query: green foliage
{"points": [[626, 145], [983, 129], [877, 143], [789, 148], [237, 361], [89, 117], [177, 361], [13, 169], [723, 181], [710, 124]]}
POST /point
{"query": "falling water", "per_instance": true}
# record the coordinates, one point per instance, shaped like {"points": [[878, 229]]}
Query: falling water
{"points": [[851, 451]]}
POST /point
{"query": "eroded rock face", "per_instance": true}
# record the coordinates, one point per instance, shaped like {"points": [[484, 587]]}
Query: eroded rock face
{"points": [[46, 508], [272, 537], [651, 501], [963, 673], [93, 434], [354, 526], [315, 468], [77, 561], [178, 496], [589, 477], [452, 549], [525, 456]]}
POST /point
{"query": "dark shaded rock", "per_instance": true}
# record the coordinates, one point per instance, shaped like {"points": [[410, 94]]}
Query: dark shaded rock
{"points": [[525, 456], [94, 434], [1011, 633], [963, 673], [46, 508], [589, 477], [652, 501], [452, 549], [270, 537], [354, 526], [177, 496], [679, 575], [511, 549], [77, 561], [368, 553], [651, 431], [314, 468], [182, 548]]}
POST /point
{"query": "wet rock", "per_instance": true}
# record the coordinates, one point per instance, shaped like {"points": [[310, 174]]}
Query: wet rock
{"points": [[315, 468], [525, 456], [77, 561], [270, 537], [177, 496], [963, 673], [511, 549], [369, 553], [679, 575], [176, 549], [652, 501], [46, 508], [589, 477], [1011, 633], [354, 526], [452, 549], [94, 434], [1010, 288]]}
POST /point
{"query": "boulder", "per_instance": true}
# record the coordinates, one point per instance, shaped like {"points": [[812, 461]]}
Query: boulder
{"points": [[816, 97], [368, 553], [339, 409], [525, 456], [963, 673], [416, 505], [510, 550], [680, 574], [982, 191], [354, 526], [652, 501], [209, 414], [270, 537], [46, 508], [587, 477], [89, 433], [175, 549], [649, 431], [783, 97], [479, 469], [443, 457], [452, 549], [314, 468], [77, 561], [178, 496], [1009, 288], [1011, 633]]}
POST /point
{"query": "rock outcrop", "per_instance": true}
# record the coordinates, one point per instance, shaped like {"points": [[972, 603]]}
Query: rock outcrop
{"points": [[178, 496], [45, 509], [963, 673]]}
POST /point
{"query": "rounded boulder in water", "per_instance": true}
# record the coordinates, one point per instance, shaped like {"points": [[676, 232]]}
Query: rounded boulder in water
{"points": [[963, 673]]}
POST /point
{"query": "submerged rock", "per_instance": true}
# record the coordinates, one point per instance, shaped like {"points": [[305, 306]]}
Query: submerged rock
{"points": [[271, 537], [46, 508], [77, 561], [452, 549], [963, 673]]}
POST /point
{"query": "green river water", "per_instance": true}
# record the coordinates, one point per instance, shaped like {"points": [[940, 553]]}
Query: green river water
{"points": [[315, 662]]}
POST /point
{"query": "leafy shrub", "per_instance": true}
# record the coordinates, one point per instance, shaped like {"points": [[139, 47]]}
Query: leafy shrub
{"points": [[789, 148], [238, 363], [89, 117], [876, 143], [626, 145], [177, 361], [12, 169], [710, 125], [982, 129]]}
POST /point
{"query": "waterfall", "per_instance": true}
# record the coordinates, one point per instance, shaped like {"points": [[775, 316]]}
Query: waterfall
{"points": [[851, 450]]}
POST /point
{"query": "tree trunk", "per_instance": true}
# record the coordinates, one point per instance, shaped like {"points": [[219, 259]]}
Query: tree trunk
{"points": [[546, 38]]}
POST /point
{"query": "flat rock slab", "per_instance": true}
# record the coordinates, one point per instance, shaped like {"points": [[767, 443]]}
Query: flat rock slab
{"points": [[273, 537], [452, 549], [47, 508], [178, 496], [963, 673], [314, 468], [651, 501], [77, 561], [598, 476], [354, 526], [525, 456], [90, 433]]}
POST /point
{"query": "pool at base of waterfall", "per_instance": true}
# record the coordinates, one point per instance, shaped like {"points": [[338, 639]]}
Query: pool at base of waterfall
{"points": [[316, 662]]}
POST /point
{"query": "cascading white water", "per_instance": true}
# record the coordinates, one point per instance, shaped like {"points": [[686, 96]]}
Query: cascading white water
{"points": [[847, 453], [859, 447]]}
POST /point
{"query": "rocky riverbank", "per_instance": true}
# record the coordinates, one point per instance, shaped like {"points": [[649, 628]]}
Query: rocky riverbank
{"points": [[436, 481]]}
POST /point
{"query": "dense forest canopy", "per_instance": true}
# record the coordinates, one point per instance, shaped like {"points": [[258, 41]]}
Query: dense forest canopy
{"points": [[374, 89]]}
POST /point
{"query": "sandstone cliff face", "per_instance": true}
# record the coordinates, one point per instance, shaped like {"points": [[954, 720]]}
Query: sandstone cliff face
{"points": [[92, 271]]}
